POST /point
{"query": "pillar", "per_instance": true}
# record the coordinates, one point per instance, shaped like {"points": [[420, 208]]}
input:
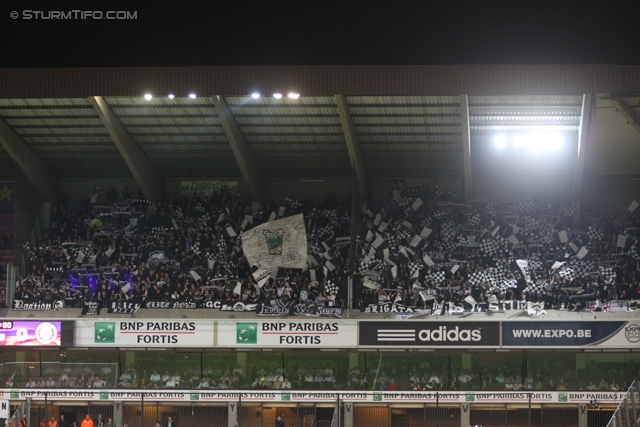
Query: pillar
{"points": [[466, 362], [583, 415], [465, 415], [118, 413], [241, 359], [347, 414], [232, 413], [353, 360]]}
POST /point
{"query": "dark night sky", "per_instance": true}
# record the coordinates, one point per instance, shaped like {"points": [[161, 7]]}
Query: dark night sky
{"points": [[307, 32]]}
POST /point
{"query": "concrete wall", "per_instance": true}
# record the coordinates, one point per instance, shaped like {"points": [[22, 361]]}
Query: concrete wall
{"points": [[604, 193], [76, 187]]}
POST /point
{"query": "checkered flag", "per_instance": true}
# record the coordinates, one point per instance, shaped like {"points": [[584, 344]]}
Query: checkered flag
{"points": [[474, 221], [489, 247], [331, 288], [368, 266], [490, 210], [607, 273], [535, 264], [324, 233], [526, 207], [535, 288], [567, 274], [447, 247], [403, 201], [413, 267], [435, 278], [292, 203], [633, 252], [570, 211], [195, 248], [582, 268], [448, 228], [594, 234], [221, 246], [476, 277]]}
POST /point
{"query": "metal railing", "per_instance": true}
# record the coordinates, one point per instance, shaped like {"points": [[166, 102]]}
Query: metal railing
{"points": [[23, 409], [626, 414]]}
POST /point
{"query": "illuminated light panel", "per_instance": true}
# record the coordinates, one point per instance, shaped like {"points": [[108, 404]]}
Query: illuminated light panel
{"points": [[171, 96], [277, 95], [148, 96], [192, 95], [255, 95], [501, 141], [293, 95]]}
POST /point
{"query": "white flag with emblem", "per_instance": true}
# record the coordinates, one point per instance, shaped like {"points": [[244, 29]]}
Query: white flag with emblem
{"points": [[281, 243]]}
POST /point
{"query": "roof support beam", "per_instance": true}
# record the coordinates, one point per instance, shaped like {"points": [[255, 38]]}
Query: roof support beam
{"points": [[632, 116], [147, 177], [353, 146], [583, 138], [41, 176], [466, 147], [251, 173]]}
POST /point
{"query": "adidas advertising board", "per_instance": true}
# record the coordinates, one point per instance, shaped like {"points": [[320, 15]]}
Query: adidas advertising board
{"points": [[288, 333], [571, 334], [430, 334], [144, 333]]}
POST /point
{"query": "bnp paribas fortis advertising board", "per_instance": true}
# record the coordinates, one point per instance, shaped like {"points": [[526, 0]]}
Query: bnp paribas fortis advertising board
{"points": [[145, 333]]}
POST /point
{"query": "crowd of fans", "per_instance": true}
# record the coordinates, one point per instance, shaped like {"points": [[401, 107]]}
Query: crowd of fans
{"points": [[426, 249], [411, 251], [179, 250]]}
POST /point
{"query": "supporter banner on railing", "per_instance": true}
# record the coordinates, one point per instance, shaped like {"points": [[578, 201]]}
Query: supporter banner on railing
{"points": [[570, 334], [288, 333], [205, 188], [430, 334], [31, 305], [124, 307], [602, 397], [91, 308], [264, 310], [144, 333]]}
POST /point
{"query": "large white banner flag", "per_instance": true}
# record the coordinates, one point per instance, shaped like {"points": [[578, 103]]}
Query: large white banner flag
{"points": [[281, 243]]}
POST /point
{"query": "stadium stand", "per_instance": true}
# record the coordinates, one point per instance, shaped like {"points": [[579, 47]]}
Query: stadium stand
{"points": [[467, 260]]}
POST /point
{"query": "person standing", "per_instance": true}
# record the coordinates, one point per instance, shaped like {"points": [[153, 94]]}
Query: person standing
{"points": [[87, 422], [63, 422], [170, 423], [279, 422], [110, 423]]}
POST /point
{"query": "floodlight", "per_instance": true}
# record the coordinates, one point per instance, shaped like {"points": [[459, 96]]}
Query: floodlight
{"points": [[277, 95], [535, 141], [555, 141], [501, 141], [518, 141], [293, 95], [171, 96], [148, 96], [255, 95], [192, 95]]}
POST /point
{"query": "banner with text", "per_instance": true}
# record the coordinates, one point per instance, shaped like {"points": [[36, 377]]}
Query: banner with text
{"points": [[288, 333], [430, 334], [144, 333], [205, 188], [570, 334], [603, 397]]}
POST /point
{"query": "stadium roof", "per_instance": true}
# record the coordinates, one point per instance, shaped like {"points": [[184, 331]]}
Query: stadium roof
{"points": [[388, 121]]}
